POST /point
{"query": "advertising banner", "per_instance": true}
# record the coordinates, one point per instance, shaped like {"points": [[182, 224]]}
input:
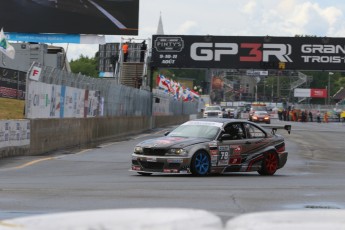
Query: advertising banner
{"points": [[314, 93], [240, 52], [12, 83], [318, 93], [56, 101], [14, 133]]}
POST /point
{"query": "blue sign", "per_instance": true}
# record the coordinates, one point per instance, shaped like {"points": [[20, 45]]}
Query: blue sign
{"points": [[44, 38]]}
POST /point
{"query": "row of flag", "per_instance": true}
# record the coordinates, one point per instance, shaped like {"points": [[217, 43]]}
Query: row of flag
{"points": [[5, 47], [175, 89]]}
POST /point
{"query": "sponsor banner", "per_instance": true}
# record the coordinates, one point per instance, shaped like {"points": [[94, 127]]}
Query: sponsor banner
{"points": [[56, 101], [57, 38], [12, 83], [106, 74], [35, 73], [301, 92], [256, 73], [240, 52], [318, 93], [315, 93], [14, 133]]}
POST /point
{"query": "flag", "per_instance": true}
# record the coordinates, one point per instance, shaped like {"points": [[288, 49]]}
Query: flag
{"points": [[161, 82], [194, 95], [5, 47]]}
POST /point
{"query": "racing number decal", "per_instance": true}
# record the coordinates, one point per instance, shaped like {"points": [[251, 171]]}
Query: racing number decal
{"points": [[229, 155], [224, 154], [223, 157]]}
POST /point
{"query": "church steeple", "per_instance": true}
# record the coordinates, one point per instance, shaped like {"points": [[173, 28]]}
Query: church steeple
{"points": [[160, 25]]}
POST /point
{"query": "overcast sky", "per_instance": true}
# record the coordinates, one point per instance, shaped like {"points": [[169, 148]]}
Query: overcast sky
{"points": [[233, 18]]}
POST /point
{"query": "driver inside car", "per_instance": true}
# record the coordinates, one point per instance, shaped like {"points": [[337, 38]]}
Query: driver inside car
{"points": [[233, 131]]}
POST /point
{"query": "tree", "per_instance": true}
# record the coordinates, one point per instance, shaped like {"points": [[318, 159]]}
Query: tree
{"points": [[85, 65]]}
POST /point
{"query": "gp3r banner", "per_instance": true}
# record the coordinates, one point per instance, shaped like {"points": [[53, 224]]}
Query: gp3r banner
{"points": [[239, 52]]}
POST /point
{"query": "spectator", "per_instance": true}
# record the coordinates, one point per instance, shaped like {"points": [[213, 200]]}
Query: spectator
{"points": [[325, 118], [304, 116], [310, 116], [342, 116], [285, 114], [318, 117], [280, 114], [125, 51], [143, 51]]}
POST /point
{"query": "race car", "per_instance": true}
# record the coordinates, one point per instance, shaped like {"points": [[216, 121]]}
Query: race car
{"points": [[213, 111], [213, 146], [261, 116]]}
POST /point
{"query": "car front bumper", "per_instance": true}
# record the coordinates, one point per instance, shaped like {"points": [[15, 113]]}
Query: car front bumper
{"points": [[158, 164]]}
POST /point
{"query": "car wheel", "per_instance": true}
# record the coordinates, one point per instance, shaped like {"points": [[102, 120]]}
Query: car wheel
{"points": [[269, 164], [144, 174], [200, 164]]}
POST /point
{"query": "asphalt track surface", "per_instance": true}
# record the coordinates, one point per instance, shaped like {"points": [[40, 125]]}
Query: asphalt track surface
{"points": [[99, 178]]}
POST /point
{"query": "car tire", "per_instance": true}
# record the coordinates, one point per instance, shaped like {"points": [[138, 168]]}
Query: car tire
{"points": [[144, 174], [200, 164], [269, 164]]}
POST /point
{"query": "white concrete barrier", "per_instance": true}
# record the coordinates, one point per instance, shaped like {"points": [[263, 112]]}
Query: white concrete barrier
{"points": [[119, 219], [320, 219]]}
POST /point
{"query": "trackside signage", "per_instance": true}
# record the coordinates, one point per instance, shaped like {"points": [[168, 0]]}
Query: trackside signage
{"points": [[315, 93], [230, 52]]}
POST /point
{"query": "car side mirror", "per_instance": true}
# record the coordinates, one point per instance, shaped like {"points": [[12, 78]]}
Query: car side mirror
{"points": [[166, 133]]}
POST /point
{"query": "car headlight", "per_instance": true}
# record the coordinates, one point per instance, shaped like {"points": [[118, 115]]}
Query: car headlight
{"points": [[138, 149], [179, 152]]}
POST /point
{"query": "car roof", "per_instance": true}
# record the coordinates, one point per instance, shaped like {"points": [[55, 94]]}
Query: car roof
{"points": [[225, 121]]}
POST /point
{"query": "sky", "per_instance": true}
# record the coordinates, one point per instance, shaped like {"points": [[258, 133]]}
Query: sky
{"points": [[285, 18]]}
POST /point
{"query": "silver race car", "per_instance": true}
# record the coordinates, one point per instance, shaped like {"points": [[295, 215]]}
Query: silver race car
{"points": [[213, 146]]}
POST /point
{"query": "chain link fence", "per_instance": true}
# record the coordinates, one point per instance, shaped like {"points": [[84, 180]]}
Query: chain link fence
{"points": [[114, 99]]}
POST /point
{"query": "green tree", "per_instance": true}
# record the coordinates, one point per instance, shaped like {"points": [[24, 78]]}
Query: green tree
{"points": [[85, 65]]}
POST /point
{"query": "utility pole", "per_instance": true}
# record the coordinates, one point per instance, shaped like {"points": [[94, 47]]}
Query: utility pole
{"points": [[329, 88]]}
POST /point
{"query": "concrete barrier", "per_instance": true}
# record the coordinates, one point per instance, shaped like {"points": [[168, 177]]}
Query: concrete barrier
{"points": [[120, 219], [48, 135], [289, 219]]}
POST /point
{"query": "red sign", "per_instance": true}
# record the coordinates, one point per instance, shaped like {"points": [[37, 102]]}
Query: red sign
{"points": [[318, 93]]}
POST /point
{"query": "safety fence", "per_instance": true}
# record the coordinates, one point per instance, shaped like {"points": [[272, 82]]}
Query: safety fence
{"points": [[55, 93]]}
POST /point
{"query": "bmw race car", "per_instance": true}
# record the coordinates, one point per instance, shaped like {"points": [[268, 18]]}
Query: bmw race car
{"points": [[213, 146]]}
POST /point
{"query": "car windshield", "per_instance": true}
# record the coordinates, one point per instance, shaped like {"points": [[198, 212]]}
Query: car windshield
{"points": [[259, 108], [196, 130], [212, 108], [261, 113]]}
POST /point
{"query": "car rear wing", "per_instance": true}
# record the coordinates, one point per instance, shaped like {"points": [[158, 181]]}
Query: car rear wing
{"points": [[276, 127]]}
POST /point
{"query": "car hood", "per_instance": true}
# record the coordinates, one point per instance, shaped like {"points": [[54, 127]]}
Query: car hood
{"points": [[168, 142]]}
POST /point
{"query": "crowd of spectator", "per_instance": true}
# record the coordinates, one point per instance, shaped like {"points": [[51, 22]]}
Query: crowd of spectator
{"points": [[299, 115]]}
